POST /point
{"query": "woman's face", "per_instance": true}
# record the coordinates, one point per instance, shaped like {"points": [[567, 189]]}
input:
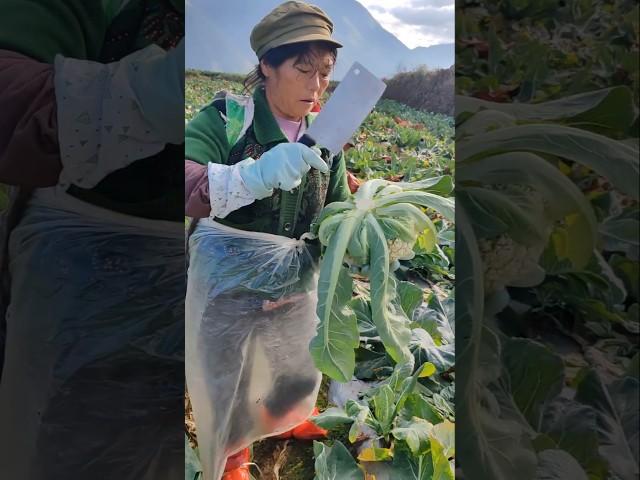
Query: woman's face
{"points": [[295, 86]]}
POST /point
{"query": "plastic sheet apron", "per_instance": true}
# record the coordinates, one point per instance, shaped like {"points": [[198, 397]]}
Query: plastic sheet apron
{"points": [[250, 315], [92, 386]]}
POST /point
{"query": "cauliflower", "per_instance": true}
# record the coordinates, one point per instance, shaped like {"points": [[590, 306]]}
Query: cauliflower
{"points": [[507, 263], [400, 250]]}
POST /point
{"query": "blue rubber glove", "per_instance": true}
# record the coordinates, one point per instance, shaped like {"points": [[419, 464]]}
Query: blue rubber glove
{"points": [[158, 82], [281, 167]]}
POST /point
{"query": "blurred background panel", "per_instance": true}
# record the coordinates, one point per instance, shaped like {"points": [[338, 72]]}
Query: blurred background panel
{"points": [[547, 234], [92, 239]]}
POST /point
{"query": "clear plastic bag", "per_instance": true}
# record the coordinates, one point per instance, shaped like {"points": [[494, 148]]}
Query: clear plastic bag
{"points": [[250, 315], [93, 381]]}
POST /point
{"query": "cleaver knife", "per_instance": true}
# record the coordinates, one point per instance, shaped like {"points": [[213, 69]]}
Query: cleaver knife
{"points": [[346, 109]]}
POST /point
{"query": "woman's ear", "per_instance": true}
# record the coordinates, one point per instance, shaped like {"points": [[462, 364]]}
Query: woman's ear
{"points": [[267, 70]]}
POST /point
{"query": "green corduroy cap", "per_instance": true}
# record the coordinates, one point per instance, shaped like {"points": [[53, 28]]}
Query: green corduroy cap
{"points": [[291, 22]]}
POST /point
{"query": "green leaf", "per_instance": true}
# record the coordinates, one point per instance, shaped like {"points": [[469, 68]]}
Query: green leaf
{"points": [[410, 296], [335, 462], [337, 336], [611, 108], [558, 465], [625, 394], [358, 247], [415, 433], [393, 228], [435, 322], [439, 185], [484, 121], [406, 389], [616, 292], [562, 199], [610, 158], [442, 469], [424, 350], [427, 241], [406, 467], [444, 206], [617, 420], [445, 433], [375, 454], [407, 213], [401, 372], [418, 406], [629, 271], [571, 427], [361, 415], [488, 446], [390, 320], [333, 209], [330, 226], [362, 308], [368, 189], [494, 213], [373, 363], [620, 234], [331, 418], [536, 376], [383, 407], [426, 370]]}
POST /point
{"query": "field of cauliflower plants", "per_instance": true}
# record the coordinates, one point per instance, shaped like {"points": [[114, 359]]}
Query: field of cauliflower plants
{"points": [[385, 341], [547, 190]]}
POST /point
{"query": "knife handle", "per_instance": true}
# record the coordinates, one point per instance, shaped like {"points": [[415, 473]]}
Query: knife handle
{"points": [[307, 140]]}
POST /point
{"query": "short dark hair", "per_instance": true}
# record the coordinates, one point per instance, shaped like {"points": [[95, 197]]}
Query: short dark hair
{"points": [[278, 55]]}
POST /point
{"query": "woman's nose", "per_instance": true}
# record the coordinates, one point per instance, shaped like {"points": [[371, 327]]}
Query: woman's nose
{"points": [[314, 81]]}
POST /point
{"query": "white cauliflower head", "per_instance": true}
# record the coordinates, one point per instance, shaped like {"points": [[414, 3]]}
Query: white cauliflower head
{"points": [[508, 263]]}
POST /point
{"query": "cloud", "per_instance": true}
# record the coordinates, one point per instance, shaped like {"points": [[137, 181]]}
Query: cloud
{"points": [[431, 24], [431, 3], [377, 8], [414, 36], [426, 16], [415, 22]]}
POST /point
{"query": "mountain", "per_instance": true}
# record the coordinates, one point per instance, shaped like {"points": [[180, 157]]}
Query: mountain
{"points": [[435, 56], [218, 32]]}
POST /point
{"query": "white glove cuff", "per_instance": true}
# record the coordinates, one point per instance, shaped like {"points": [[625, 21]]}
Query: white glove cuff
{"points": [[227, 190], [100, 126]]}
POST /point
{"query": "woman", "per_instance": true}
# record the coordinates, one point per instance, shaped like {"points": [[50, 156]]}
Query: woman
{"points": [[93, 273], [250, 309]]}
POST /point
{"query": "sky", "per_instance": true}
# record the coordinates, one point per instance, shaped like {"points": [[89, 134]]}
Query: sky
{"points": [[416, 23]]}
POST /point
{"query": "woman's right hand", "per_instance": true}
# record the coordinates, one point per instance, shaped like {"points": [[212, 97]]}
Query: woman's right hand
{"points": [[281, 167]]}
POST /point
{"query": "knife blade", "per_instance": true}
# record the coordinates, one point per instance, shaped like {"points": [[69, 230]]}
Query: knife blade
{"points": [[346, 109]]}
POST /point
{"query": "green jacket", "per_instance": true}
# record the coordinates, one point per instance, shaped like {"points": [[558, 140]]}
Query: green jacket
{"points": [[106, 31], [227, 138], [41, 29]]}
